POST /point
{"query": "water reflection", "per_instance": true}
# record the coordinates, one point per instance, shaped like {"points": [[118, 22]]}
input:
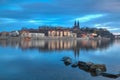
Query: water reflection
{"points": [[50, 45], [93, 69], [36, 65]]}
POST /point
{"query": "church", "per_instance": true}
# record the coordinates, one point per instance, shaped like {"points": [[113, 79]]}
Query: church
{"points": [[76, 25]]}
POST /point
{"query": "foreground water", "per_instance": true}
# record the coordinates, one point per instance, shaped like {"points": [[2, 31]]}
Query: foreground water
{"points": [[41, 60]]}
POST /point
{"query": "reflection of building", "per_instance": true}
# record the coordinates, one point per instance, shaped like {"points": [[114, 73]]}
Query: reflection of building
{"points": [[51, 45], [61, 44], [32, 44]]}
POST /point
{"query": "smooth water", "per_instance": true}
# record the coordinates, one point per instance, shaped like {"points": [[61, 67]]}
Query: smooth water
{"points": [[41, 59]]}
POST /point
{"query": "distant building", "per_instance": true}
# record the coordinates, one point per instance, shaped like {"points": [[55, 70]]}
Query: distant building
{"points": [[14, 33], [61, 33], [92, 35], [76, 25], [31, 34], [4, 35], [76, 29], [117, 35]]}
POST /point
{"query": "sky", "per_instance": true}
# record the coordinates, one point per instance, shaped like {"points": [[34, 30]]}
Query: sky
{"points": [[16, 14]]}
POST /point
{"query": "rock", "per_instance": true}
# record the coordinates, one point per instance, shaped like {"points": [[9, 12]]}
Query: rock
{"points": [[98, 71], [93, 69], [67, 63], [67, 60], [80, 63], [83, 66], [89, 63], [98, 67], [74, 65], [110, 75]]}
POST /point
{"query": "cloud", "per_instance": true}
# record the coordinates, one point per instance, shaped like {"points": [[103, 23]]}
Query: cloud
{"points": [[34, 21], [108, 6], [21, 13], [89, 17], [106, 26], [7, 20]]}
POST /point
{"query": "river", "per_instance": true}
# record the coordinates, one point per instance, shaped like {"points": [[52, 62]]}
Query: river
{"points": [[41, 59]]}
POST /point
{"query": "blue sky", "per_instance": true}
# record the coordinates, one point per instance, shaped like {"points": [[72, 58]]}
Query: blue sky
{"points": [[15, 14]]}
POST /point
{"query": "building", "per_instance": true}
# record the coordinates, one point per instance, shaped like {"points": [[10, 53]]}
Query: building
{"points": [[32, 34], [76, 25], [4, 35], [61, 33], [14, 33], [116, 35], [76, 29]]}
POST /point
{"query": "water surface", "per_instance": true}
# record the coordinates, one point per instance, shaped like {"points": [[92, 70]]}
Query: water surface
{"points": [[41, 59]]}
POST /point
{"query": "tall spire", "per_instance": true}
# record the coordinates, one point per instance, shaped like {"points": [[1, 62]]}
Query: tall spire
{"points": [[78, 25], [75, 23]]}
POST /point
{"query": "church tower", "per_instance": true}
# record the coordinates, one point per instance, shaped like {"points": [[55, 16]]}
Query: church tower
{"points": [[76, 25]]}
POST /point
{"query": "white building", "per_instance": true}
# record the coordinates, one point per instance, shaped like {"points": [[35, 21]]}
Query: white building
{"points": [[14, 33], [32, 35], [36, 35]]}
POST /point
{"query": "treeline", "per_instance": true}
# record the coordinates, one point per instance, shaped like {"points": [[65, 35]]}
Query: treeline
{"points": [[100, 31]]}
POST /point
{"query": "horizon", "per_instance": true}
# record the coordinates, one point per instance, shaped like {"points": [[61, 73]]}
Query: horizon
{"points": [[50, 26], [16, 14]]}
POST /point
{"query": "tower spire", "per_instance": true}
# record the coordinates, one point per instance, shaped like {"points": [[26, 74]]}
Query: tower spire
{"points": [[78, 25], [75, 24]]}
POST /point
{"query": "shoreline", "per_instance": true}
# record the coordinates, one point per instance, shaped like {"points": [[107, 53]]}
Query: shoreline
{"points": [[52, 38]]}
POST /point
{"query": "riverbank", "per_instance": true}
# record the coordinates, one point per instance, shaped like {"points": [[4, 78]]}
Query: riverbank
{"points": [[52, 38]]}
